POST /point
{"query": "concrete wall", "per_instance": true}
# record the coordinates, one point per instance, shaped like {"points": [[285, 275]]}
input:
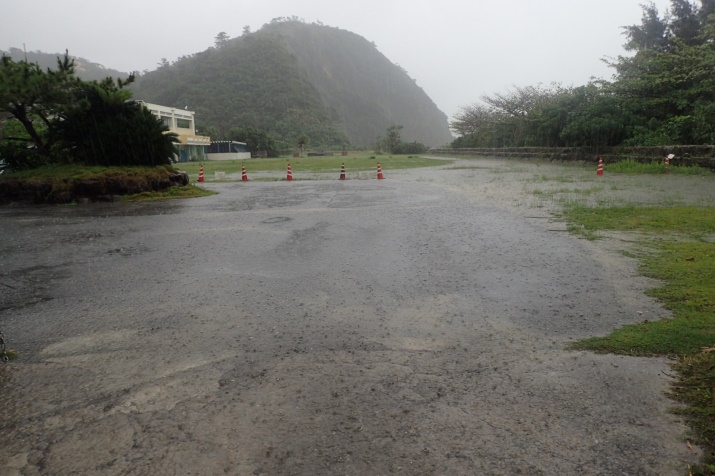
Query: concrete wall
{"points": [[229, 156]]}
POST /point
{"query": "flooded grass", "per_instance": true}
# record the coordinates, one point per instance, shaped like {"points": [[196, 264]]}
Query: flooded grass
{"points": [[668, 220], [633, 167], [189, 191], [671, 216], [684, 260]]}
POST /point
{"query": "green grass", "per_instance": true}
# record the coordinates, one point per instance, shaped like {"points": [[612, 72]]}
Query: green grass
{"points": [[683, 258], [10, 354], [694, 222], [696, 389], [189, 191], [356, 162]]}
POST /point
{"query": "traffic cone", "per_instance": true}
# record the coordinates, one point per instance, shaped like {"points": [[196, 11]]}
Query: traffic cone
{"points": [[342, 172], [599, 171], [201, 173], [290, 174], [667, 163], [244, 175], [379, 172]]}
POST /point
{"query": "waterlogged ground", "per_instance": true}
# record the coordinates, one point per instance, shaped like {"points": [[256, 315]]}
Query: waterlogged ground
{"points": [[411, 326]]}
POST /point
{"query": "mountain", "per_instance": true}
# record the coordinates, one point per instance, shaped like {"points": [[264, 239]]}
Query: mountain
{"points": [[84, 68], [290, 79]]}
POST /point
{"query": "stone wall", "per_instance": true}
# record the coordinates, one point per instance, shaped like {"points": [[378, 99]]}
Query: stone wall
{"points": [[702, 155]]}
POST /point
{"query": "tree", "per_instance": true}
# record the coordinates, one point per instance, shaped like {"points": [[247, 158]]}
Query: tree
{"points": [[114, 131], [684, 24], [663, 94], [392, 139], [411, 148], [472, 118], [379, 145], [66, 119], [519, 110], [246, 30], [593, 118], [221, 39], [16, 147], [481, 126], [392, 142], [36, 98], [707, 8], [650, 34], [519, 102], [670, 90], [301, 142], [255, 140]]}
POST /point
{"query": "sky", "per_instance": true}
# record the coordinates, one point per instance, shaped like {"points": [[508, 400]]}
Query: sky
{"points": [[456, 50]]}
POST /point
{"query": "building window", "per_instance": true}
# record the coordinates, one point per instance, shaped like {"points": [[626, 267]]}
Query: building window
{"points": [[183, 123]]}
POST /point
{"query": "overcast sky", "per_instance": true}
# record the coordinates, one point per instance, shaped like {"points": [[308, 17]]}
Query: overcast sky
{"points": [[457, 50]]}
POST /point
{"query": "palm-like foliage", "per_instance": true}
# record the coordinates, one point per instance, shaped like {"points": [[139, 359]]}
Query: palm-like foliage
{"points": [[69, 120], [111, 130]]}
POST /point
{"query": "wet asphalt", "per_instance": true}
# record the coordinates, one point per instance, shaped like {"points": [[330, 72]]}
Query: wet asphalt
{"points": [[317, 327]]}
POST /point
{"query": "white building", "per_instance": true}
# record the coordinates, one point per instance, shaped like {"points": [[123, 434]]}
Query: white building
{"points": [[191, 147]]}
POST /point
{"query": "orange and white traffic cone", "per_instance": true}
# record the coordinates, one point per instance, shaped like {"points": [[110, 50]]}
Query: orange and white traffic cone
{"points": [[244, 175], [379, 172], [599, 170], [342, 172], [201, 173], [290, 174]]}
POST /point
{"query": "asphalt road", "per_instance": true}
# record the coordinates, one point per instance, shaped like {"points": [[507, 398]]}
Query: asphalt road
{"points": [[361, 327]]}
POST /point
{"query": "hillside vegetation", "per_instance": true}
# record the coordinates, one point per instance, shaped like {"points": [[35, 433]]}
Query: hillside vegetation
{"points": [[295, 80], [83, 68]]}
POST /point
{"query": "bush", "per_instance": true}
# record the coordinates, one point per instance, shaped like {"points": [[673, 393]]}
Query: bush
{"points": [[112, 132], [19, 156], [410, 148]]}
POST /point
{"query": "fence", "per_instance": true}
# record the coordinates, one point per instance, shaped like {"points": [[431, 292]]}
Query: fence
{"points": [[702, 155]]}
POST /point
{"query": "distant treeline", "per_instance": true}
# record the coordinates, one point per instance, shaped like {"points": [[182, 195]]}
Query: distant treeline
{"points": [[83, 68], [664, 94]]}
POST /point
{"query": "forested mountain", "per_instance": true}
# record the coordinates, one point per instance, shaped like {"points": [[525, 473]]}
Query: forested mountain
{"points": [[294, 79], [85, 69]]}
